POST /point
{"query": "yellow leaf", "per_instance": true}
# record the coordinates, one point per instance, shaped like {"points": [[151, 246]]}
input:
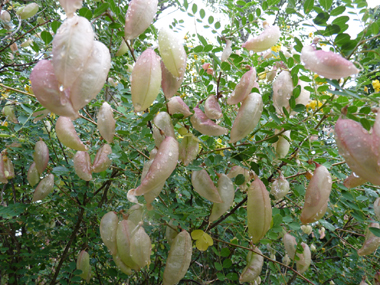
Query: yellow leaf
{"points": [[201, 245], [197, 234]]}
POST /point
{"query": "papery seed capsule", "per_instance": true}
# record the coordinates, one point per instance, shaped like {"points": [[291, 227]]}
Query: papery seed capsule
{"points": [[106, 122], [72, 46], [162, 128], [41, 156], [170, 84], [265, 40], [282, 91], [145, 86], [83, 263], [9, 112], [353, 181], [44, 188], [327, 63], [290, 245], [272, 74], [204, 186], [27, 43], [170, 234], [317, 195], [244, 87], [70, 6], [123, 49], [82, 165], [227, 193], [102, 161], [8, 168], [123, 242], [307, 229], [376, 208], [4, 16], [304, 259], [135, 213], [247, 118], [28, 11], [212, 108], [286, 260], [33, 175], [140, 247], [3, 178], [259, 210], [227, 50], [140, 15], [188, 149], [153, 194], [120, 264], [177, 106], [282, 145], [67, 134], [108, 229], [179, 259], [280, 187], [205, 126], [254, 266], [304, 96], [371, 242]]}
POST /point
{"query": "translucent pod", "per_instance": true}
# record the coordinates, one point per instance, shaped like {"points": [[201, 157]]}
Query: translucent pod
{"points": [[307, 229], [9, 170], [327, 63], [162, 167], [235, 171], [123, 49], [67, 134], [120, 264], [247, 118], [162, 127], [72, 46], [353, 181], [170, 234], [145, 86], [135, 213], [83, 263], [108, 228], [280, 187], [371, 242], [212, 108], [282, 91], [41, 156], [140, 15], [140, 247], [317, 195], [33, 175], [82, 165], [282, 145], [272, 74], [102, 161], [123, 242], [304, 96], [151, 195], [70, 6], [290, 245], [28, 11], [47, 90], [177, 106], [265, 40], [188, 149], [106, 122], [92, 78], [376, 208], [3, 178], [9, 112], [304, 259], [170, 84], [44, 188], [172, 52], [259, 210], [179, 259], [286, 260], [244, 87], [227, 51], [227, 193], [204, 125], [204, 186], [5, 16], [27, 43], [254, 266]]}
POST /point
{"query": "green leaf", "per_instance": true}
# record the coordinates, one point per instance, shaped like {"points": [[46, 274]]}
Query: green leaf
{"points": [[60, 170], [308, 6], [46, 37], [225, 66], [374, 28], [227, 263], [240, 179], [210, 20], [365, 123], [86, 13], [331, 30], [217, 25], [55, 25], [327, 225], [337, 11], [225, 252], [102, 8], [202, 13], [12, 210], [375, 231], [321, 19], [326, 4], [194, 8], [218, 266], [198, 49]]}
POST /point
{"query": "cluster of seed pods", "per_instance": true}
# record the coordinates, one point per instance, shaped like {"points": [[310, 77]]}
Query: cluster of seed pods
{"points": [[304, 259]]}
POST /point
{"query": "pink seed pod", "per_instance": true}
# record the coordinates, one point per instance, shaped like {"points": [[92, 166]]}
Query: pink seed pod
{"points": [[170, 234], [123, 242], [120, 264], [227, 193], [353, 181], [135, 213], [92, 78], [210, 71], [282, 91], [259, 210], [170, 84], [67, 134], [235, 171], [371, 242], [123, 49], [102, 161], [290, 245], [172, 52], [106, 122], [162, 127], [244, 87], [177, 106], [317, 195], [179, 259], [83, 263], [108, 228], [41, 156], [145, 86], [212, 108], [205, 66], [28, 11], [3, 177], [70, 6], [304, 259], [151, 195], [82, 165], [204, 186], [44, 188], [254, 266], [304, 96], [33, 175], [227, 51], [5, 16], [204, 125], [376, 208], [282, 145], [141, 247], [46, 88], [188, 149], [162, 167], [327, 63], [265, 40], [247, 118], [140, 15], [280, 187]]}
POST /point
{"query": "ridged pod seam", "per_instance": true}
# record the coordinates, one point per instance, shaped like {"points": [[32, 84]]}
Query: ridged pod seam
{"points": [[33, 175], [44, 188], [204, 186], [162, 123], [141, 247], [244, 87], [212, 108], [153, 194], [67, 134], [170, 84], [106, 122], [82, 165], [188, 149], [102, 161], [204, 125], [123, 242]]}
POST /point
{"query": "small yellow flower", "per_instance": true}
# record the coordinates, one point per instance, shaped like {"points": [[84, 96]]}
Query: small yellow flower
{"points": [[365, 89], [202, 60], [189, 45], [321, 44], [195, 56], [194, 79], [310, 35], [376, 85], [185, 37], [183, 95], [319, 79], [288, 27], [263, 76], [276, 48], [314, 104], [187, 66], [52, 115], [5, 124]]}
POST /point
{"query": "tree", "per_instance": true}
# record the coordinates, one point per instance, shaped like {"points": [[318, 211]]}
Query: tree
{"points": [[57, 240]]}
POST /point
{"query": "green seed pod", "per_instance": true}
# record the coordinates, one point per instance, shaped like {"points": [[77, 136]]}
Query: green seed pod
{"points": [[9, 112], [106, 122], [102, 161], [141, 247], [282, 145], [170, 234], [280, 187], [28, 11], [43, 189], [41, 156], [83, 263], [188, 148], [254, 266], [33, 175], [135, 214], [108, 228], [120, 264], [227, 193], [304, 259], [123, 241], [3, 178], [371, 242], [82, 165], [67, 134], [290, 245], [123, 49], [204, 186], [9, 170]]}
